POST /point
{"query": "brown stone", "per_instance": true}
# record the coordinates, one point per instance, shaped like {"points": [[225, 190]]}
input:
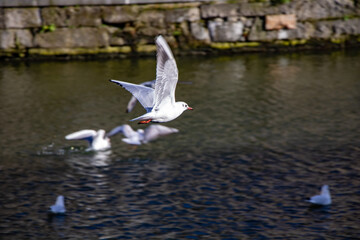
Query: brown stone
{"points": [[281, 21], [119, 14], [73, 37], [22, 17], [72, 16]]}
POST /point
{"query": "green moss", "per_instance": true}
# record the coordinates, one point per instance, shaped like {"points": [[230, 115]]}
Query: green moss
{"points": [[229, 45], [146, 48], [78, 51], [339, 40], [48, 28], [294, 42]]}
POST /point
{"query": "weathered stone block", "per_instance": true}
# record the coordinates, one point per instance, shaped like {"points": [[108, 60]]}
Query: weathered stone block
{"points": [[15, 38], [336, 28], [218, 10], [182, 15], [323, 9], [119, 14], [72, 16], [152, 18], [7, 39], [54, 15], [303, 31], [225, 31], [257, 32], [281, 21], [258, 10], [22, 17], [73, 37], [151, 31], [2, 18], [199, 32], [23, 38]]}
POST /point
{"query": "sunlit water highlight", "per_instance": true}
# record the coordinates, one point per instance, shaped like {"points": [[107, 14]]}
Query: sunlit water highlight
{"points": [[267, 131]]}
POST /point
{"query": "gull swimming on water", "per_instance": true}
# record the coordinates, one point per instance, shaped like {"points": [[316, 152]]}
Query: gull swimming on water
{"points": [[324, 198], [59, 206], [141, 136], [97, 139], [159, 102]]}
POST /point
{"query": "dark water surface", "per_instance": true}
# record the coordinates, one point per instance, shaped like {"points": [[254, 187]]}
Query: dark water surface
{"points": [[267, 131]]}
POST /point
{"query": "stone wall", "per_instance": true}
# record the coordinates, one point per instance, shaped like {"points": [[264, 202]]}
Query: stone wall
{"points": [[120, 30]]}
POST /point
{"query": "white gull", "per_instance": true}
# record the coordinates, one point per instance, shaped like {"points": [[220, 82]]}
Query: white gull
{"points": [[141, 136], [159, 102], [324, 198], [59, 206]]}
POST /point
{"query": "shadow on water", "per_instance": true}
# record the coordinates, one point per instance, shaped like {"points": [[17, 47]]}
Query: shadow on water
{"points": [[267, 131]]}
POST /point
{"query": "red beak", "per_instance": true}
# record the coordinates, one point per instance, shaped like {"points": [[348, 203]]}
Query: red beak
{"points": [[190, 108]]}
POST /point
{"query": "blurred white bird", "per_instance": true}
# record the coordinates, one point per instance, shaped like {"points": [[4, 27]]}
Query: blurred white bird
{"points": [[141, 136], [97, 139], [324, 198], [59, 206], [159, 102]]}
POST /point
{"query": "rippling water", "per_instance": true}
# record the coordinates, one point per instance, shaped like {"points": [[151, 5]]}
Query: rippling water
{"points": [[267, 131]]}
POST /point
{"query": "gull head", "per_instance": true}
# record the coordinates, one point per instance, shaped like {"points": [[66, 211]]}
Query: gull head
{"points": [[184, 106]]}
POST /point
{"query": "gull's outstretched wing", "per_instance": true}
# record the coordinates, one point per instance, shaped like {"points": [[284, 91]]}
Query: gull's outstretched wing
{"points": [[124, 129], [86, 134], [131, 141], [133, 99], [155, 131], [145, 95], [166, 74]]}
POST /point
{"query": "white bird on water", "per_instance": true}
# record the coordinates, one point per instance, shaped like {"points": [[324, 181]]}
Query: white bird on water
{"points": [[98, 141], [59, 206], [159, 102], [324, 198], [141, 136]]}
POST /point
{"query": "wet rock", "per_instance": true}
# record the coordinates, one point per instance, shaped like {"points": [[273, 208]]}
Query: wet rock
{"points": [[72, 16], [181, 15], [281, 21], [119, 14], [225, 31], [73, 37], [22, 17]]}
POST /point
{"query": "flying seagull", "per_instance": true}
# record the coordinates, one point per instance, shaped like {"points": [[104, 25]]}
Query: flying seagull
{"points": [[141, 136], [159, 103], [323, 199]]}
